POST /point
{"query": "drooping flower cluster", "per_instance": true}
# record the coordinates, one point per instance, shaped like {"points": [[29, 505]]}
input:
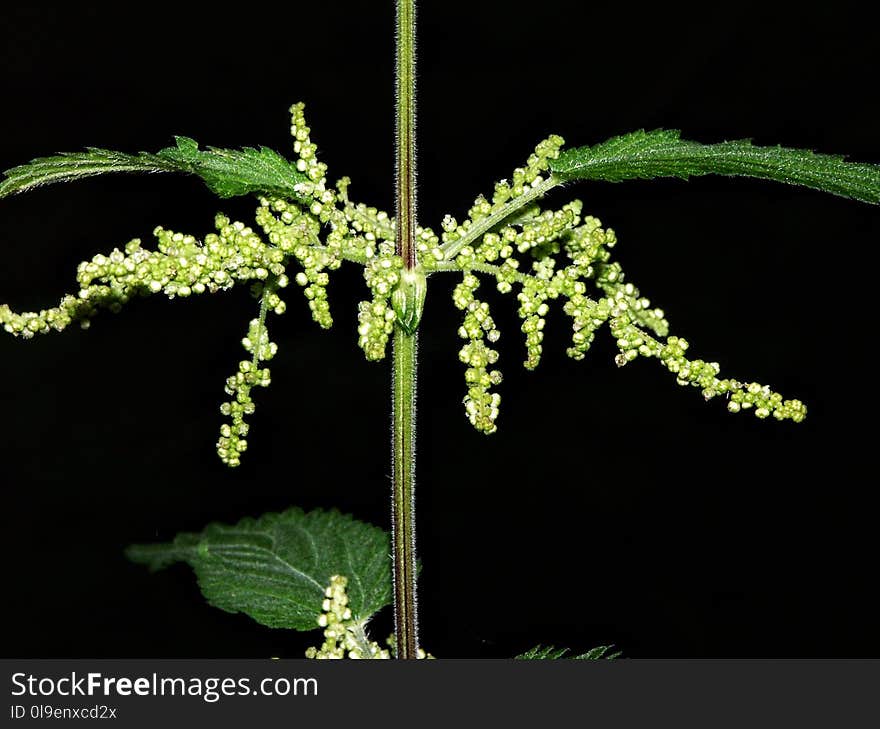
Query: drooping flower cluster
{"points": [[344, 635], [632, 343], [376, 317], [233, 435], [181, 266], [478, 327], [568, 255], [295, 232]]}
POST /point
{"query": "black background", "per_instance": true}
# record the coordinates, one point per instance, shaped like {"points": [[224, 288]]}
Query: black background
{"points": [[611, 506]]}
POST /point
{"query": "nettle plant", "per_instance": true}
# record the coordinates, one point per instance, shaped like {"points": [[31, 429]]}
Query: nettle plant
{"points": [[323, 569]]}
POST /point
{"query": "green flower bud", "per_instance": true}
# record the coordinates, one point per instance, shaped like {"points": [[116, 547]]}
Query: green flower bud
{"points": [[408, 299]]}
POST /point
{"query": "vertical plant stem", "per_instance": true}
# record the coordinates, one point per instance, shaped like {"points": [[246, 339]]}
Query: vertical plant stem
{"points": [[405, 358], [403, 497], [405, 198]]}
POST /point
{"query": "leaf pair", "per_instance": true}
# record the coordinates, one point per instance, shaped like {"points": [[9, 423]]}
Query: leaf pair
{"points": [[638, 155]]}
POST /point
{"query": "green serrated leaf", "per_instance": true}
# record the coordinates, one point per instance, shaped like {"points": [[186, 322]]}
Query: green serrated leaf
{"points": [[78, 165], [598, 653], [227, 172], [542, 653], [233, 172], [549, 653], [275, 568], [662, 153]]}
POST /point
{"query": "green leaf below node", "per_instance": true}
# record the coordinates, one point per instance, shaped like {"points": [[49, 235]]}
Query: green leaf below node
{"points": [[276, 568]]}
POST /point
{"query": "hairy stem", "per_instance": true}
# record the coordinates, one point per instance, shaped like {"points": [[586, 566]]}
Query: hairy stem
{"points": [[404, 365], [405, 199], [403, 498]]}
